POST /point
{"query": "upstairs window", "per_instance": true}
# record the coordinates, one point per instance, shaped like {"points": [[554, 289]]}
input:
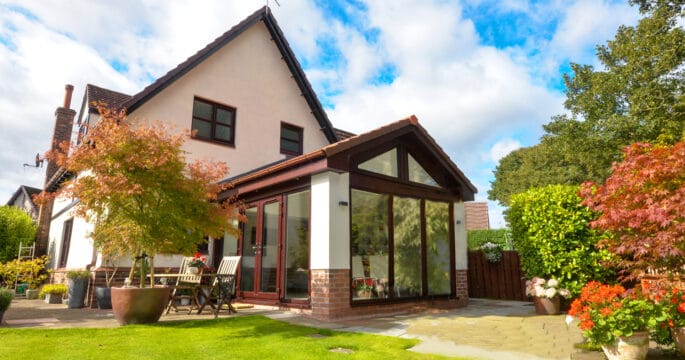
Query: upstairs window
{"points": [[214, 122], [291, 139]]}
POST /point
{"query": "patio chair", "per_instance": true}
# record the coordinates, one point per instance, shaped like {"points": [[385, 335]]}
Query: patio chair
{"points": [[187, 287], [223, 287]]}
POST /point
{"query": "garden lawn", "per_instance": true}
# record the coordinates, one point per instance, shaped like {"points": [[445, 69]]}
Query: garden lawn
{"points": [[245, 337]]}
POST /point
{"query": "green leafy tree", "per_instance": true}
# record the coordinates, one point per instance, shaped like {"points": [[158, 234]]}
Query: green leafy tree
{"points": [[16, 227], [636, 96], [135, 185], [550, 230], [642, 207]]}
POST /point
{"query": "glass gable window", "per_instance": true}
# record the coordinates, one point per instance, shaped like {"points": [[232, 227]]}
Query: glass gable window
{"points": [[418, 174], [297, 246], [212, 121], [385, 163]]}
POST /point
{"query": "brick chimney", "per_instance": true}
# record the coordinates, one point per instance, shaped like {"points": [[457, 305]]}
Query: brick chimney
{"points": [[64, 121]]}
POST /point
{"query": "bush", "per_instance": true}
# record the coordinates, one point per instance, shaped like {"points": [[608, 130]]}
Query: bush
{"points": [[53, 289], [80, 274], [501, 237], [6, 296], [550, 231], [15, 226], [25, 271]]}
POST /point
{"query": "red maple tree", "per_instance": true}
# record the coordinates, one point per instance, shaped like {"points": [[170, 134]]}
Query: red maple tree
{"points": [[642, 207]]}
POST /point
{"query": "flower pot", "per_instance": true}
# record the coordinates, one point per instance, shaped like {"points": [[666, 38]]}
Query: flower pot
{"points": [[32, 294], [103, 296], [139, 305], [192, 270], [77, 292], [53, 298], [364, 294], [679, 338], [547, 306], [633, 347]]}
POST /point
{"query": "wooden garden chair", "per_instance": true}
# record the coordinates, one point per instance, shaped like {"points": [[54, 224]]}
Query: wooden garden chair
{"points": [[185, 283], [223, 286]]}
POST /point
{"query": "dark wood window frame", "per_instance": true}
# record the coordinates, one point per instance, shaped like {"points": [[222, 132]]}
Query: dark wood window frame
{"points": [[299, 141], [66, 242], [213, 122]]}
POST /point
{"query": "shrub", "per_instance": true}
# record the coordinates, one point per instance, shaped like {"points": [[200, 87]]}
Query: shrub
{"points": [[15, 226], [6, 296], [80, 274], [550, 231], [53, 289], [29, 271], [477, 238]]}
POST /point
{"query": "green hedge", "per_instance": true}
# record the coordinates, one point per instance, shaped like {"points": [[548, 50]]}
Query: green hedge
{"points": [[501, 237]]}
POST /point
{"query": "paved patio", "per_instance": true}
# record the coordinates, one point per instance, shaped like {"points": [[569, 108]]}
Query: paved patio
{"points": [[485, 329]]}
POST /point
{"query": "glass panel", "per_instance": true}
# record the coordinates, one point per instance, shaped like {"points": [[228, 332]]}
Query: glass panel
{"points": [[418, 174], [224, 133], [230, 242], [289, 146], [437, 248], [385, 163], [369, 244], [407, 255], [202, 110], [247, 263], [204, 129], [269, 248], [297, 246], [290, 134], [224, 116]]}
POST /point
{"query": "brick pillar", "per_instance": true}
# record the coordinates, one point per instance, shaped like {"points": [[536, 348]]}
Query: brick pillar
{"points": [[461, 278], [330, 295], [64, 121]]}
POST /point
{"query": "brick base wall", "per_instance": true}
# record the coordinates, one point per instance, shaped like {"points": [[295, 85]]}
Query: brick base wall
{"points": [[330, 294], [462, 286]]}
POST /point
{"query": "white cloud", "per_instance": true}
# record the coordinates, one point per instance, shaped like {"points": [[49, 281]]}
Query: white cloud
{"points": [[503, 148]]}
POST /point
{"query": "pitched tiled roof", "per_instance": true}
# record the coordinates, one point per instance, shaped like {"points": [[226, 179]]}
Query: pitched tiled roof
{"points": [[27, 191], [263, 14], [98, 94], [342, 134]]}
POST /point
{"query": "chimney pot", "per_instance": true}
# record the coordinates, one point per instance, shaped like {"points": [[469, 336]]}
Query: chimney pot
{"points": [[68, 89]]}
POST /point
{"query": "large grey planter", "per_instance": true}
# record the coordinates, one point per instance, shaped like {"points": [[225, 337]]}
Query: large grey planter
{"points": [[77, 292]]}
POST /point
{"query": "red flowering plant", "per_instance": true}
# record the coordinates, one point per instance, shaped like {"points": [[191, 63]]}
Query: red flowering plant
{"points": [[198, 261], [362, 284], [673, 302], [607, 312]]}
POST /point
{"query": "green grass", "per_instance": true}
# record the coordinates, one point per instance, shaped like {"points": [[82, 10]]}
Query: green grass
{"points": [[247, 337]]}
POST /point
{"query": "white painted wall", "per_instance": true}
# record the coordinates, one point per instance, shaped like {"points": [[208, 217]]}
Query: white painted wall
{"points": [[330, 221], [460, 244], [80, 247], [249, 75]]}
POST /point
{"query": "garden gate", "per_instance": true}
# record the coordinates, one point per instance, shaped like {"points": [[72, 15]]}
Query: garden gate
{"points": [[501, 280]]}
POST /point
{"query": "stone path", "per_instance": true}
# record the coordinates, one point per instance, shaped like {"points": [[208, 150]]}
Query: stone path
{"points": [[485, 329]]}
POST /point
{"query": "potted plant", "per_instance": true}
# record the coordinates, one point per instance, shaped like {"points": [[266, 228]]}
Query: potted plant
{"points": [[492, 252], [673, 330], [103, 294], [546, 295], [53, 293], [78, 284], [135, 185], [6, 296], [362, 287], [617, 320], [196, 265]]}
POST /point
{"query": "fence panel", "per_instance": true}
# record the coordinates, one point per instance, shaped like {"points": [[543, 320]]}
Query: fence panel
{"points": [[502, 280]]}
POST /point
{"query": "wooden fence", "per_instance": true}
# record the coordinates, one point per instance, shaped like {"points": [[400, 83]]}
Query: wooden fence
{"points": [[501, 280]]}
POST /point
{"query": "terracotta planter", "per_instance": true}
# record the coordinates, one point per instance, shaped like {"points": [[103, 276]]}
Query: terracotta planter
{"points": [[679, 338], [139, 305], [628, 347], [546, 306]]}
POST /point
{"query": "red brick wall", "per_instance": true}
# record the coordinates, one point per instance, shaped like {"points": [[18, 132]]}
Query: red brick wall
{"points": [[477, 217], [461, 278]]}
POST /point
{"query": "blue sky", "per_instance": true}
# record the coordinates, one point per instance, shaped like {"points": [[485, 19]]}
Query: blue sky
{"points": [[481, 76]]}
